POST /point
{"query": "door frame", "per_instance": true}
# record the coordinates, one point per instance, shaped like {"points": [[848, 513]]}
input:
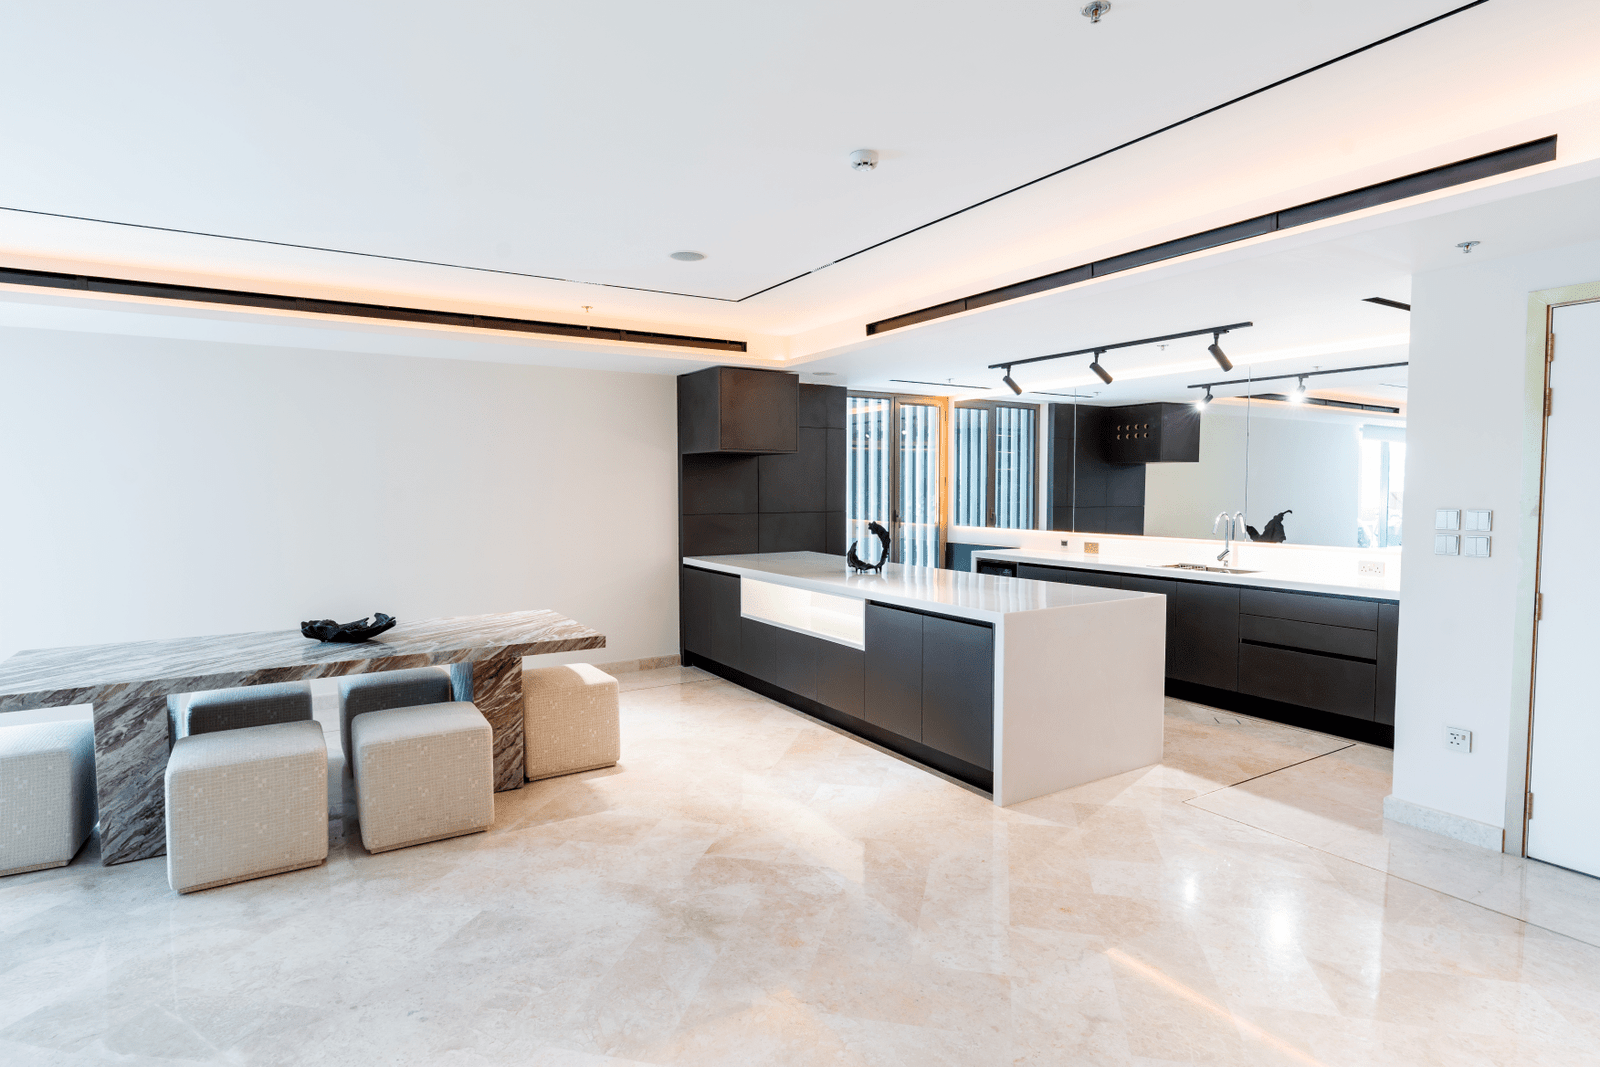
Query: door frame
{"points": [[946, 442], [1539, 356]]}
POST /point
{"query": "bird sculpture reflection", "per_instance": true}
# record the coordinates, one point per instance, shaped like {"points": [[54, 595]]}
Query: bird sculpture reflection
{"points": [[1273, 534], [855, 561]]}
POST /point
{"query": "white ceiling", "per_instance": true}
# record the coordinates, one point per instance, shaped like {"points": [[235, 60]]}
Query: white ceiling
{"points": [[587, 142]]}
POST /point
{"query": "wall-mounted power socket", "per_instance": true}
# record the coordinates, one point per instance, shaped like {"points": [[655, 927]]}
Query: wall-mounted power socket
{"points": [[1457, 740], [1066, 544], [1370, 568], [1091, 548]]}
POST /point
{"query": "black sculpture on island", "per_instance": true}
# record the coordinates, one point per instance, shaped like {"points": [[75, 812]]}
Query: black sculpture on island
{"points": [[855, 561], [349, 633]]}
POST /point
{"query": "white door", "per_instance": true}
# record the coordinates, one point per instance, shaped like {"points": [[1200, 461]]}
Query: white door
{"points": [[1565, 778]]}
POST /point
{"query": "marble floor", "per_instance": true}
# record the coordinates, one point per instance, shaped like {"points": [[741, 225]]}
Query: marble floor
{"points": [[750, 887]]}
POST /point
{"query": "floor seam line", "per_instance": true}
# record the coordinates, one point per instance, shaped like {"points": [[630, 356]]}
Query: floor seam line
{"points": [[1275, 770], [1402, 878]]}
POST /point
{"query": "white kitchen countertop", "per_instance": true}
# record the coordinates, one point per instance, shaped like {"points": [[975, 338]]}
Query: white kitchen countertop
{"points": [[964, 594], [1337, 583]]}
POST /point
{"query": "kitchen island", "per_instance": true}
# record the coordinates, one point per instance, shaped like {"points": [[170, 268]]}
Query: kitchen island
{"points": [[1017, 687]]}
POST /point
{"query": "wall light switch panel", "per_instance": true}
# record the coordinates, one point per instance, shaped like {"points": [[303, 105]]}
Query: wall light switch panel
{"points": [[1457, 740], [1447, 519], [1370, 568], [1446, 545], [1477, 547], [1479, 521], [1091, 548]]}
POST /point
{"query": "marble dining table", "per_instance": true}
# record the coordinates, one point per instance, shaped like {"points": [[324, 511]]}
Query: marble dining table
{"points": [[128, 686]]}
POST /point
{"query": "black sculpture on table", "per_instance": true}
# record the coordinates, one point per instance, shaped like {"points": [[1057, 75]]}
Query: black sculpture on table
{"points": [[1273, 534], [855, 561], [351, 632]]}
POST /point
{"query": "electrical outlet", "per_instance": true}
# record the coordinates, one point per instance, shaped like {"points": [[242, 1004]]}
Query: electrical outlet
{"points": [[1066, 544], [1091, 548], [1457, 740], [1370, 568]]}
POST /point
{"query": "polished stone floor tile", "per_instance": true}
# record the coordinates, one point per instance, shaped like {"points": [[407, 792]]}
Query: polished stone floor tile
{"points": [[752, 887]]}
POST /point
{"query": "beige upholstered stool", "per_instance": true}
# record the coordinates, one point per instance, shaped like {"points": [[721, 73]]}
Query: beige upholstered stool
{"points": [[422, 774], [47, 799], [569, 720], [246, 803]]}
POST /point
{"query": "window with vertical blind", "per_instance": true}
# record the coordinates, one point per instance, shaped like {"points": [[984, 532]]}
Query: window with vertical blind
{"points": [[996, 465], [894, 476]]}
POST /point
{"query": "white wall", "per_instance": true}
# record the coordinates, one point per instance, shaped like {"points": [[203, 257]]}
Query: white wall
{"points": [[159, 488], [1472, 442], [1300, 461]]}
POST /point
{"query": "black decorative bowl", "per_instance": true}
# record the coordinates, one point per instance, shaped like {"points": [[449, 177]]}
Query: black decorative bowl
{"points": [[349, 633]]}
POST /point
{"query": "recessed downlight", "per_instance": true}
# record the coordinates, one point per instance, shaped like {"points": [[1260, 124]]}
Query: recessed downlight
{"points": [[688, 256]]}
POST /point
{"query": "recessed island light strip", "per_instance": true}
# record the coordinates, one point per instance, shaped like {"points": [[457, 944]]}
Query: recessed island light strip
{"points": [[353, 310], [1487, 165]]}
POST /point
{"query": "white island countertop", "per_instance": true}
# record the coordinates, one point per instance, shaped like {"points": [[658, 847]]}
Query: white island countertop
{"points": [[1337, 583], [963, 594]]}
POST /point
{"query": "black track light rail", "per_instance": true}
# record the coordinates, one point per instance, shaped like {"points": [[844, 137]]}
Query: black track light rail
{"points": [[1303, 374], [1098, 349]]}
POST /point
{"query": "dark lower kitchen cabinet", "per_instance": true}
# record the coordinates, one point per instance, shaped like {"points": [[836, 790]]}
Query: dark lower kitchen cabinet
{"points": [[894, 670], [710, 613], [1068, 576], [1388, 651], [1203, 634], [1309, 680], [758, 650], [958, 690]]}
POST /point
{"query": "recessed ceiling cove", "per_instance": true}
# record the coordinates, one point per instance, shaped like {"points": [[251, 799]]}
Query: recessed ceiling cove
{"points": [[588, 142]]}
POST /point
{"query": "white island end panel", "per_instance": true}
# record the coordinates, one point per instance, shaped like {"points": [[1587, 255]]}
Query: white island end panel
{"points": [[833, 618]]}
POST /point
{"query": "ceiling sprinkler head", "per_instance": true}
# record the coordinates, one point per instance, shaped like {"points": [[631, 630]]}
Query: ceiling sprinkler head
{"points": [[1466, 246], [863, 159], [1093, 11]]}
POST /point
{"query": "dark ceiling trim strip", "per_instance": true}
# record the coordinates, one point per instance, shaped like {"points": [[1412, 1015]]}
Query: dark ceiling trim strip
{"points": [[1487, 165], [353, 310], [1318, 401], [1386, 302]]}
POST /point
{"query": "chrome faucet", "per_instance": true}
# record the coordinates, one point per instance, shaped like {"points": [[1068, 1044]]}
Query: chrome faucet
{"points": [[1231, 525]]}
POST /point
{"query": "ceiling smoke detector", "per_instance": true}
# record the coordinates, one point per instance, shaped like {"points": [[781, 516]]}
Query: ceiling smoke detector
{"points": [[687, 256], [1093, 11], [863, 159]]}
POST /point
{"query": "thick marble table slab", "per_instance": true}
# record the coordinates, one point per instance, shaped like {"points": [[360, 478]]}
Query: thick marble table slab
{"points": [[128, 685]]}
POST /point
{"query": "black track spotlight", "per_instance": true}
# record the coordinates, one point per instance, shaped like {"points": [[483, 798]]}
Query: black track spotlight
{"points": [[1215, 348], [1299, 394], [1015, 388], [1200, 405], [1101, 372]]}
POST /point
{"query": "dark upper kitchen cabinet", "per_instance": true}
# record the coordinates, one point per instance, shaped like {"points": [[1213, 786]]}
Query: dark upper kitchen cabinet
{"points": [[710, 613], [1152, 433], [894, 670], [958, 690], [738, 409]]}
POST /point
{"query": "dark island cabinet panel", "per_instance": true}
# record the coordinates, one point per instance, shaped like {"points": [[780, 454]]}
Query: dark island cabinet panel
{"points": [[841, 678], [710, 614], [894, 670], [1326, 683], [795, 665], [958, 690], [758, 650]]}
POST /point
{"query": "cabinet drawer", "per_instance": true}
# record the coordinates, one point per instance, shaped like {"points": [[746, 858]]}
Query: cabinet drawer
{"points": [[1340, 686], [1312, 636], [841, 678], [958, 690], [1067, 576], [1303, 607]]}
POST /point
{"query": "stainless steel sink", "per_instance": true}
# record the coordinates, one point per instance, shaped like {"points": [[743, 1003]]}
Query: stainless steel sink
{"points": [[1203, 567]]}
